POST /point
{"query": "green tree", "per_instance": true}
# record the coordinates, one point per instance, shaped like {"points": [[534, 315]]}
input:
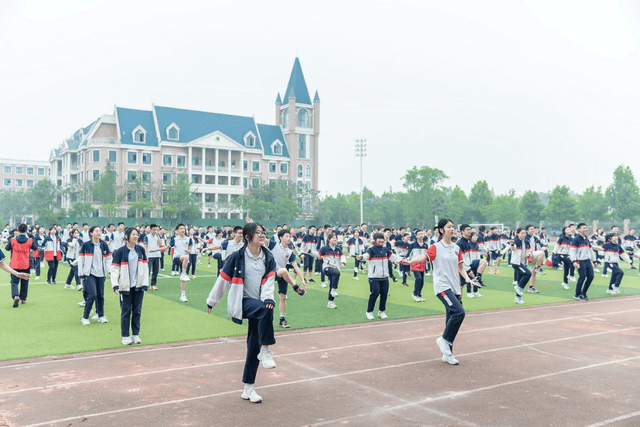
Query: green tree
{"points": [[592, 205], [277, 201], [81, 210], [105, 189], [182, 203], [457, 206], [623, 194], [480, 198], [560, 207], [339, 209], [426, 197], [504, 209], [13, 206], [43, 195], [531, 207]]}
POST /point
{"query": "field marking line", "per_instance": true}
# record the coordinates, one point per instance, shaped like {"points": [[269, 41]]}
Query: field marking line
{"points": [[613, 420]]}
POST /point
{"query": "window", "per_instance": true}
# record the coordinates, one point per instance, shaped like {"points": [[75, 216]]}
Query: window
{"points": [[146, 195], [195, 161], [255, 182], [19, 170], [173, 132], [307, 172], [139, 135], [146, 177], [181, 161], [131, 176], [41, 172], [285, 118], [245, 165], [210, 179], [113, 156], [18, 183], [165, 197], [255, 166], [166, 178], [96, 156], [131, 196], [167, 160], [196, 179], [7, 182], [272, 183], [277, 148], [29, 170], [132, 157], [302, 146], [234, 180], [82, 158], [96, 175], [29, 183], [221, 163], [272, 167], [303, 118], [245, 182], [250, 140], [284, 168], [233, 163], [7, 169], [299, 171], [222, 180], [146, 158]]}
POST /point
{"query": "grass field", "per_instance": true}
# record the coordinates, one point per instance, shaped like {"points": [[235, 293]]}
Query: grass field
{"points": [[49, 323]]}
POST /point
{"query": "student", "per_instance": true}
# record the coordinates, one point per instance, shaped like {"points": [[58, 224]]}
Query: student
{"points": [[249, 274], [117, 240], [416, 249], [447, 266], [629, 243], [129, 279], [52, 254], [322, 241], [562, 249], [155, 248], [612, 254], [19, 275], [182, 249], [520, 252], [402, 249], [309, 242], [581, 255], [332, 257], [473, 265], [93, 265], [389, 245], [20, 246], [537, 257], [193, 253], [38, 254], [73, 250], [284, 256], [233, 244], [493, 246], [379, 257], [356, 248]]}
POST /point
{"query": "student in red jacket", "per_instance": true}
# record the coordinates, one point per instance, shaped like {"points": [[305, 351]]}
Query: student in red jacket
{"points": [[20, 246]]}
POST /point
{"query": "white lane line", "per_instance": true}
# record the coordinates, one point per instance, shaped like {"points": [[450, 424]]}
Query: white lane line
{"points": [[451, 395], [293, 334], [613, 420]]}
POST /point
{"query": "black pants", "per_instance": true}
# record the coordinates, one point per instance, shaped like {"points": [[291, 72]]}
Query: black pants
{"points": [[455, 314], [523, 274], [260, 333], [154, 264], [73, 273], [131, 310], [93, 291], [308, 263], [318, 268], [193, 259], [162, 260], [405, 269], [24, 285], [616, 275], [177, 265], [218, 257], [585, 270], [378, 287], [333, 274], [419, 283], [53, 270], [356, 267], [566, 263], [35, 264]]}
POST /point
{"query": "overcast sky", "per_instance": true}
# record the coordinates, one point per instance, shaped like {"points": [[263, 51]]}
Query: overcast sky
{"points": [[522, 94]]}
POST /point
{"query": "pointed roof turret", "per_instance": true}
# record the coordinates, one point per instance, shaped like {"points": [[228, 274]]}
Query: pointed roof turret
{"points": [[316, 98], [297, 87], [278, 100]]}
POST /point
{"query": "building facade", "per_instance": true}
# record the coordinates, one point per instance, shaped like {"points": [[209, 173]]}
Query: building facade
{"points": [[223, 155], [16, 175]]}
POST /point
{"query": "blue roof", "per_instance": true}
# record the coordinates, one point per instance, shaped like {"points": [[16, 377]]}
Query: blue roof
{"points": [[129, 119], [316, 98], [196, 124], [278, 99], [297, 86], [79, 136], [269, 134]]}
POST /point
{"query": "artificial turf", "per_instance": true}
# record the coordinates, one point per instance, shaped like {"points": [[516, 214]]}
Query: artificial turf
{"points": [[49, 323]]}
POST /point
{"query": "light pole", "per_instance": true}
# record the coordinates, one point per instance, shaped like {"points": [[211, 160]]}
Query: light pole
{"points": [[361, 151]]}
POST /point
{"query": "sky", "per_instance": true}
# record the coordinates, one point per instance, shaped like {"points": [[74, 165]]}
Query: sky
{"points": [[526, 95]]}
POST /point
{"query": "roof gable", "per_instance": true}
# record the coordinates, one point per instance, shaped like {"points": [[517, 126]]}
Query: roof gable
{"points": [[297, 87], [129, 119], [269, 134]]}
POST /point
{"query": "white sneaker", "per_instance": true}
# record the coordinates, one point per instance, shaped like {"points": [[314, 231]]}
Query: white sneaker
{"points": [[564, 285], [382, 315], [415, 298], [596, 270], [604, 275], [69, 287], [127, 341], [183, 298], [514, 283], [334, 292], [81, 303], [611, 292], [102, 320], [470, 295], [184, 278], [267, 359], [444, 346], [420, 299], [316, 273], [617, 290], [94, 317], [450, 360], [85, 321], [477, 294], [331, 304], [251, 395], [323, 284], [174, 273], [356, 278], [136, 339], [162, 269], [519, 300], [427, 274], [573, 279], [518, 290], [37, 277], [369, 315]]}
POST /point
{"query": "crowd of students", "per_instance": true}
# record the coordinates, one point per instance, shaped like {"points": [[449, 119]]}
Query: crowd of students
{"points": [[249, 264]]}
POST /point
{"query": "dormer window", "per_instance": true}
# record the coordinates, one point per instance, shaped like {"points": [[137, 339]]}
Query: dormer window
{"points": [[139, 135], [250, 140], [276, 147], [173, 132]]}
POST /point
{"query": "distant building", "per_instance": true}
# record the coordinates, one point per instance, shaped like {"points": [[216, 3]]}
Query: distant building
{"points": [[223, 155], [22, 174]]}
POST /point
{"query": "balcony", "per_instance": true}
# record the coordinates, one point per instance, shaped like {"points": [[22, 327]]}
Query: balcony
{"points": [[210, 168], [196, 167], [110, 140]]}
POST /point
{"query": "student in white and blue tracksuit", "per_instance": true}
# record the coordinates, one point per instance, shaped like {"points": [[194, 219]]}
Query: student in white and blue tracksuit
{"points": [[447, 267], [581, 255], [379, 257], [520, 251], [332, 258], [93, 265]]}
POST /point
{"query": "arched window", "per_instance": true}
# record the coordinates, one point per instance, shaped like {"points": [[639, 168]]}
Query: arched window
{"points": [[303, 118], [285, 118], [307, 172], [299, 171], [302, 146]]}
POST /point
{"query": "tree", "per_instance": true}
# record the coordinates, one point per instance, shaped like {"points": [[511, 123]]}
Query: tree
{"points": [[42, 196], [480, 198], [592, 205], [457, 207], [105, 191], [276, 201], [182, 203], [531, 207], [504, 209], [13, 206], [623, 194], [561, 206], [81, 210], [426, 198]]}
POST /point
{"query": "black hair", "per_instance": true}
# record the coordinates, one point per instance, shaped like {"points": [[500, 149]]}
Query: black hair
{"points": [[464, 227], [249, 230], [128, 231], [387, 229], [283, 232], [108, 225], [563, 230], [93, 228], [22, 228], [441, 224], [528, 227], [519, 230], [153, 226], [581, 224], [177, 226], [482, 228], [236, 228], [378, 236]]}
